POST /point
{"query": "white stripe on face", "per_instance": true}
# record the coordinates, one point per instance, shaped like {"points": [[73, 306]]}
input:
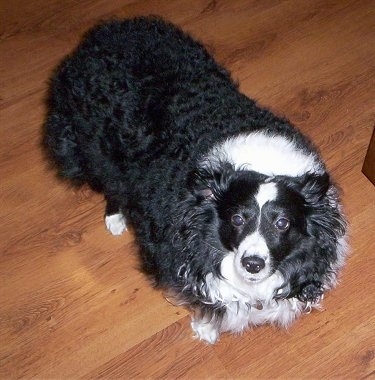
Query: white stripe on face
{"points": [[255, 244], [267, 192]]}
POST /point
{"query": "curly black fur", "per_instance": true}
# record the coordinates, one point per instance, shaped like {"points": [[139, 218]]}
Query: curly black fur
{"points": [[133, 111]]}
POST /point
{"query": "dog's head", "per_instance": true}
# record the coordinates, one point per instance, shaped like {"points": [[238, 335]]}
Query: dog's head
{"points": [[265, 224]]}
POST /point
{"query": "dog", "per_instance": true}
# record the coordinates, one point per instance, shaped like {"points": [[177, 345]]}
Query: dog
{"points": [[233, 209]]}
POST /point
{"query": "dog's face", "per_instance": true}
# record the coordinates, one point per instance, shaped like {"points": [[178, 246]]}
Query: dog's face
{"points": [[259, 225], [260, 222], [269, 223]]}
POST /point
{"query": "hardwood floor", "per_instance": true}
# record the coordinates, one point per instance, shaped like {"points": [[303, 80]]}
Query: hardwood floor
{"points": [[72, 301]]}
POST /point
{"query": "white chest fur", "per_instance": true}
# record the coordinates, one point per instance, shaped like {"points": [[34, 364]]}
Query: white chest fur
{"points": [[246, 304], [252, 304]]}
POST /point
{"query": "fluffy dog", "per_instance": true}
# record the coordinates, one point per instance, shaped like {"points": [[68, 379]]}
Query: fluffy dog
{"points": [[233, 209]]}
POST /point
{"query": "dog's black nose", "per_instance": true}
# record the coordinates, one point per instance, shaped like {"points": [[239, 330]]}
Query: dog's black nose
{"points": [[253, 264]]}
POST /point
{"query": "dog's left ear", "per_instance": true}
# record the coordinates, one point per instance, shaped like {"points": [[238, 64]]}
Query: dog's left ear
{"points": [[314, 187], [210, 181], [325, 220], [322, 202]]}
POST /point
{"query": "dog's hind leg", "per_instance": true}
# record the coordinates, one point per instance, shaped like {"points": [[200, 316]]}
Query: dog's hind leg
{"points": [[114, 218]]}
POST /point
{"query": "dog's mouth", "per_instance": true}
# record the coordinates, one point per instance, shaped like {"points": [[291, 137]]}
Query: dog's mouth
{"points": [[255, 280], [245, 270], [263, 284]]}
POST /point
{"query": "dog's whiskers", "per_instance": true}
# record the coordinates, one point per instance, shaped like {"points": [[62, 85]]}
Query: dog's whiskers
{"points": [[215, 249]]}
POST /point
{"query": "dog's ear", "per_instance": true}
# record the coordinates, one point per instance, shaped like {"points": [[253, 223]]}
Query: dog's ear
{"points": [[314, 187], [210, 181], [205, 193], [311, 186], [322, 200]]}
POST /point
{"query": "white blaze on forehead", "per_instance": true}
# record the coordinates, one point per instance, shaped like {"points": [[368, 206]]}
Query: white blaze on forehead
{"points": [[270, 155], [267, 192]]}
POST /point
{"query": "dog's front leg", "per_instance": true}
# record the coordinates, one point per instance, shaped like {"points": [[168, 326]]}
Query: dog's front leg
{"points": [[114, 218], [205, 328]]}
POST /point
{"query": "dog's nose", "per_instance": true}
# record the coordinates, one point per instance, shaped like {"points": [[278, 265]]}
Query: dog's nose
{"points": [[253, 264]]}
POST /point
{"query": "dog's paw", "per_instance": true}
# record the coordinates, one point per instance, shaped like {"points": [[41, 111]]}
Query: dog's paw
{"points": [[283, 292], [312, 292], [115, 224], [205, 331]]}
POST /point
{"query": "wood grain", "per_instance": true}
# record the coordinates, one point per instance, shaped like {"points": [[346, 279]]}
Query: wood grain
{"points": [[72, 300]]}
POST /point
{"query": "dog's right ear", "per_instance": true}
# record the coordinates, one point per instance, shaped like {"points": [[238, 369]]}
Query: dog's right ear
{"points": [[205, 193], [199, 183], [210, 181]]}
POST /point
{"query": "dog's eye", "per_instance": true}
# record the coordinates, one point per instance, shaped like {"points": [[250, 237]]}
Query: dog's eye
{"points": [[282, 224], [237, 220]]}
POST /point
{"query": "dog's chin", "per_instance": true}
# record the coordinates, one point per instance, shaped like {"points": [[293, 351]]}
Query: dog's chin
{"points": [[251, 279]]}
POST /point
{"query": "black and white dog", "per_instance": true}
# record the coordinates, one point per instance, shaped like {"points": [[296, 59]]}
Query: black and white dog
{"points": [[233, 209]]}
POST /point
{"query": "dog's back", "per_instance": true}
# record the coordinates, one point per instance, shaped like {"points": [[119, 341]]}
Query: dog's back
{"points": [[112, 99]]}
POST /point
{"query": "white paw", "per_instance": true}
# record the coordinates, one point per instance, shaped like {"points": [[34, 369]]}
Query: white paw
{"points": [[115, 224], [206, 331]]}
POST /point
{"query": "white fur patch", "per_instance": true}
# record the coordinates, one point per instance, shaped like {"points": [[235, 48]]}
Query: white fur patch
{"points": [[115, 223], [267, 192], [247, 304], [237, 286], [205, 330], [269, 155]]}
